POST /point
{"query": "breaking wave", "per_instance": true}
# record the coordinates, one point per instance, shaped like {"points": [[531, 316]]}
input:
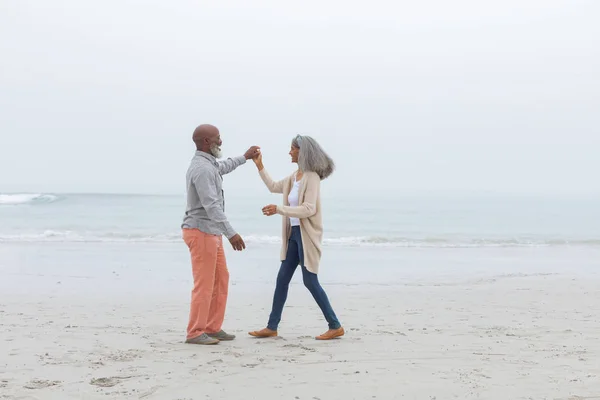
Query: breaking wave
{"points": [[26, 198], [399, 242]]}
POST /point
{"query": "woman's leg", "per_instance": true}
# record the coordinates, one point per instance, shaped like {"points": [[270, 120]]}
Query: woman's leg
{"points": [[286, 272], [311, 281]]}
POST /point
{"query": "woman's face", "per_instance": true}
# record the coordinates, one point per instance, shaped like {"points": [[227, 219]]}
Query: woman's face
{"points": [[294, 151]]}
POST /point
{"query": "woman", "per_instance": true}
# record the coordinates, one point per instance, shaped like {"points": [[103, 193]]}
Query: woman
{"points": [[302, 230]]}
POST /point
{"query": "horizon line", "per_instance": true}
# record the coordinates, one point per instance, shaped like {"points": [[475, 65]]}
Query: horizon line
{"points": [[400, 193]]}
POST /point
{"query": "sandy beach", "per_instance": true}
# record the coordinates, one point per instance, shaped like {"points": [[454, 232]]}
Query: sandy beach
{"points": [[439, 157], [515, 335]]}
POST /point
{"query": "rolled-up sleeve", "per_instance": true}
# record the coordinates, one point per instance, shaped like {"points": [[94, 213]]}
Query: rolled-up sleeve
{"points": [[205, 182]]}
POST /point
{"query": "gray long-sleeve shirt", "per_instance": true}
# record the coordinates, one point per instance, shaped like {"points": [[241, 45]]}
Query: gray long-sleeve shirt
{"points": [[205, 199]]}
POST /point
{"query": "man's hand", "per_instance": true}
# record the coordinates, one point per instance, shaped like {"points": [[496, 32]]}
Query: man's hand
{"points": [[252, 152], [237, 243], [269, 210]]}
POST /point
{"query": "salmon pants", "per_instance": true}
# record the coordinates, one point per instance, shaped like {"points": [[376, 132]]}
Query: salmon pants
{"points": [[211, 282]]}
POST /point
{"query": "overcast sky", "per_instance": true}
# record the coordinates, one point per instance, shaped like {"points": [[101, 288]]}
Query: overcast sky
{"points": [[406, 96]]}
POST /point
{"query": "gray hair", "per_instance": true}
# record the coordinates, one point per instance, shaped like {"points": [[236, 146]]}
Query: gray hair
{"points": [[312, 158]]}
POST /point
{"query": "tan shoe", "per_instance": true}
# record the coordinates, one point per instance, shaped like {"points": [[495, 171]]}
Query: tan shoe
{"points": [[263, 333], [331, 334]]}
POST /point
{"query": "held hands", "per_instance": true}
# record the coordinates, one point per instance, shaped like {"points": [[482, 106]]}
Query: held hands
{"points": [[269, 210], [237, 243], [252, 152]]}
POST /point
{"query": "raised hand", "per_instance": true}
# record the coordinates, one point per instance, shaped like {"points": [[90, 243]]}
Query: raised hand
{"points": [[252, 152]]}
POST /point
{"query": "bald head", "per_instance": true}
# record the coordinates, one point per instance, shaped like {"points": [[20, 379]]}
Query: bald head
{"points": [[207, 139], [203, 132]]}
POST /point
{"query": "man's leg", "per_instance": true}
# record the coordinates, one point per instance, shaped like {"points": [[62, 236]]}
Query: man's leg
{"points": [[216, 314], [203, 250]]}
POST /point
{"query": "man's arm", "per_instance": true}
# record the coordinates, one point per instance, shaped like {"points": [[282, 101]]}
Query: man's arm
{"points": [[231, 164], [206, 187]]}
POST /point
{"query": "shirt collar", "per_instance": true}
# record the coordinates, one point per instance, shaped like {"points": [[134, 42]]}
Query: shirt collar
{"points": [[208, 156]]}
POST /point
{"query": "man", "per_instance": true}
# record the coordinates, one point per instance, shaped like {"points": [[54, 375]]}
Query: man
{"points": [[203, 226]]}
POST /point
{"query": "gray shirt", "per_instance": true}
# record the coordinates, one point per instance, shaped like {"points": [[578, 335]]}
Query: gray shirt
{"points": [[205, 200]]}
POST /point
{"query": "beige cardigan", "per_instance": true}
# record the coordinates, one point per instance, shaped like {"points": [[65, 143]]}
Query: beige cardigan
{"points": [[309, 213]]}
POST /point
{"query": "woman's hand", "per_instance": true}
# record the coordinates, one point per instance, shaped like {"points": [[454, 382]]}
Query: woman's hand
{"points": [[269, 210], [258, 161]]}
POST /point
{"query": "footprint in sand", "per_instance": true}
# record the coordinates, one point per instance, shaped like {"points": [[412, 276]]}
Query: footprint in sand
{"points": [[112, 381], [125, 356], [299, 346], [40, 384], [104, 382]]}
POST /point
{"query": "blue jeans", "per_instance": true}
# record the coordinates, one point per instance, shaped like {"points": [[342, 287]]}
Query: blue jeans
{"points": [[295, 256]]}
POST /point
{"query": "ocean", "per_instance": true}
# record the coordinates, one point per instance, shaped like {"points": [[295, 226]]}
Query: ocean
{"points": [[107, 245], [380, 221]]}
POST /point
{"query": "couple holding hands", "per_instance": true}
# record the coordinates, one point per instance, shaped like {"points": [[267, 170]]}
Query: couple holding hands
{"points": [[205, 224]]}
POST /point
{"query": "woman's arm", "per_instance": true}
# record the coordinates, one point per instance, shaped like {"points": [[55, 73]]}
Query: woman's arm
{"points": [[308, 208], [274, 187]]}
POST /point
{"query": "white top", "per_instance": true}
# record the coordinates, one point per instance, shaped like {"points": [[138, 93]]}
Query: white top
{"points": [[293, 200]]}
